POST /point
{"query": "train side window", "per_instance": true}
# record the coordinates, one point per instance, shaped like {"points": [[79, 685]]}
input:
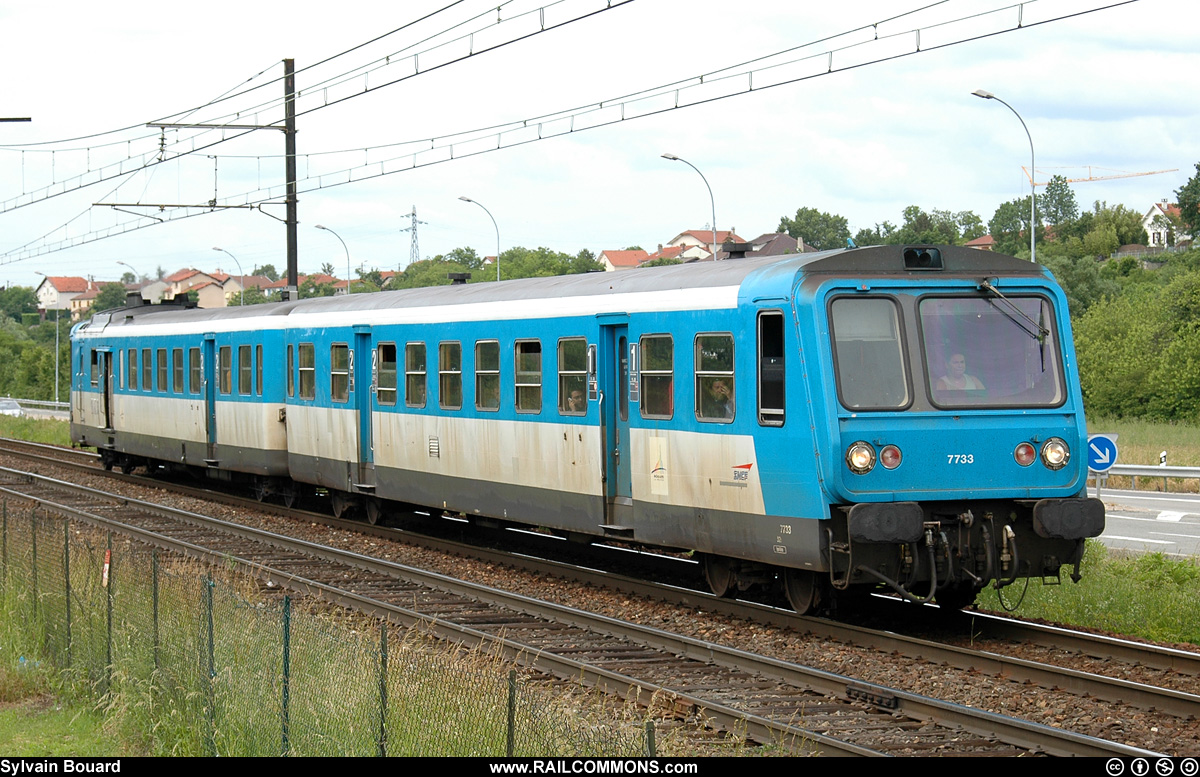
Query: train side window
{"points": [[572, 376], [770, 368], [258, 370], [95, 367], [414, 374], [147, 370], [339, 372], [487, 375], [177, 370], [194, 372], [658, 376], [225, 370], [308, 371], [291, 367], [163, 371], [714, 378], [450, 375], [133, 372], [245, 369], [529, 376], [386, 392]]}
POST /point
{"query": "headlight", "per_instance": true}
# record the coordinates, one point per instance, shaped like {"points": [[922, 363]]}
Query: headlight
{"points": [[1055, 453], [1025, 454], [860, 457]]}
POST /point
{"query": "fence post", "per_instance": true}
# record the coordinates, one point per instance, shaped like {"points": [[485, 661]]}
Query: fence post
{"points": [[287, 667], [383, 695], [67, 581], [108, 608], [4, 549], [210, 681], [512, 712], [651, 748], [154, 604], [33, 569]]}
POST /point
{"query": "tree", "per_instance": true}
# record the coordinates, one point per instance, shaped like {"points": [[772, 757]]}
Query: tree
{"points": [[1189, 203], [111, 295], [880, 235], [128, 277], [267, 271], [822, 231], [1009, 226], [327, 269], [16, 300], [1058, 204]]}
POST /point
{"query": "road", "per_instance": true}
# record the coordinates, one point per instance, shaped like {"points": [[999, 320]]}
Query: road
{"points": [[1149, 521]]}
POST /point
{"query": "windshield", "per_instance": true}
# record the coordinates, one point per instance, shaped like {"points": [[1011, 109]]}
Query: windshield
{"points": [[991, 351]]}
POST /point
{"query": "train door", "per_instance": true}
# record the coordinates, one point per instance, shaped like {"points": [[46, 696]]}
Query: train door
{"points": [[362, 368], [614, 377], [208, 367], [104, 368]]}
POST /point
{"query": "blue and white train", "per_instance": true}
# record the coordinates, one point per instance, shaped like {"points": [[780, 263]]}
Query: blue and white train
{"points": [[905, 417]]}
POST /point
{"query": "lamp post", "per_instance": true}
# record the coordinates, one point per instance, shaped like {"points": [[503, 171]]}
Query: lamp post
{"points": [[986, 95], [493, 218], [711, 199], [57, 327], [241, 279], [343, 242]]}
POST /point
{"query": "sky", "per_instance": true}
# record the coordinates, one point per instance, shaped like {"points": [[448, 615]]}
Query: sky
{"points": [[1103, 89]]}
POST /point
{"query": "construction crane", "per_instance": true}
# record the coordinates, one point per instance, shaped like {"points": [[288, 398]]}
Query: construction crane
{"points": [[1120, 174]]}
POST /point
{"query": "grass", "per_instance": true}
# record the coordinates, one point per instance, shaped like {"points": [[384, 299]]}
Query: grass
{"points": [[1141, 442], [43, 430], [35, 721], [1146, 595]]}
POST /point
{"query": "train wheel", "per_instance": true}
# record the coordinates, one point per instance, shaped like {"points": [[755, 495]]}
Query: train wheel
{"points": [[803, 590], [106, 461], [718, 573], [956, 597], [127, 465], [374, 510], [289, 498], [261, 491], [341, 503]]}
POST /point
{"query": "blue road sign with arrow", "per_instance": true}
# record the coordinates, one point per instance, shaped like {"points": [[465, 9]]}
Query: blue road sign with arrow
{"points": [[1102, 453]]}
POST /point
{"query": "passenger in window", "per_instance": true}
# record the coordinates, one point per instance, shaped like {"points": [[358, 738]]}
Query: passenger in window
{"points": [[718, 400], [956, 377], [576, 403]]}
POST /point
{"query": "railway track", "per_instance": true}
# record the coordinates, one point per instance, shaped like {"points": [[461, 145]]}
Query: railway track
{"points": [[1164, 679], [772, 700]]}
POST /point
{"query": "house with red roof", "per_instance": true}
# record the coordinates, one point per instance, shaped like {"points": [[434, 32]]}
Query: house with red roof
{"points": [[985, 243], [55, 292], [621, 260], [696, 243], [1157, 223]]}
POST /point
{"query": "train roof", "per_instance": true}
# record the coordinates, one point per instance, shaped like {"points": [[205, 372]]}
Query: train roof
{"points": [[709, 284]]}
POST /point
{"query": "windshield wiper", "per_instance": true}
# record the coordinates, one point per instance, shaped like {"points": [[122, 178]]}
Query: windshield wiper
{"points": [[1040, 332]]}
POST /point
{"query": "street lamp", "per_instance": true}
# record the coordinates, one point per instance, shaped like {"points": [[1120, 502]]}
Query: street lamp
{"points": [[57, 326], [493, 218], [1032, 172], [241, 279], [343, 242], [711, 199]]}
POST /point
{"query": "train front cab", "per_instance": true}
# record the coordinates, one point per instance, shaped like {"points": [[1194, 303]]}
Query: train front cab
{"points": [[957, 454]]}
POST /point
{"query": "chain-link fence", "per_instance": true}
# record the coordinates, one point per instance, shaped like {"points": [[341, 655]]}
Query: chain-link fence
{"points": [[204, 665]]}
